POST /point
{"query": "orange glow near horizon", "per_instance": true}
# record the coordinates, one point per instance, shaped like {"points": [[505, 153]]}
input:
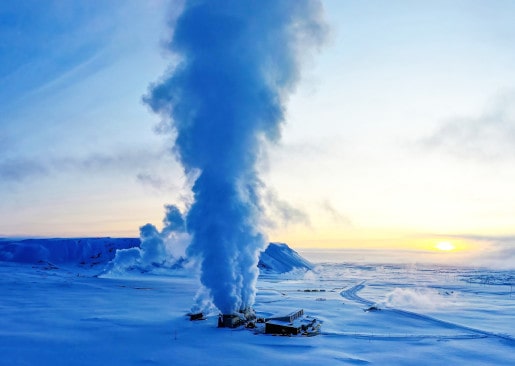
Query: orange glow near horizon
{"points": [[375, 240]]}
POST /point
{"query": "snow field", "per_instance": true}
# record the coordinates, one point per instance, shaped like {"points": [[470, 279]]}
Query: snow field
{"points": [[429, 315]]}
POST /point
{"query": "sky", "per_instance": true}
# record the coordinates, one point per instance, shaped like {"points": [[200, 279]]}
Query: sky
{"points": [[401, 133]]}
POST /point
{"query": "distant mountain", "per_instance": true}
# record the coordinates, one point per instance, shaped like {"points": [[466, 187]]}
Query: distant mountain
{"points": [[277, 258], [280, 258], [59, 251]]}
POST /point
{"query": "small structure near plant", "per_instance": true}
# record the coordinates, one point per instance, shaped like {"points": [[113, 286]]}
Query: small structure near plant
{"points": [[292, 324], [235, 320], [197, 316]]}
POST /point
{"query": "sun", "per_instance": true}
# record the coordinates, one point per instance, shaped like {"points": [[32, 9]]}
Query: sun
{"points": [[445, 245]]}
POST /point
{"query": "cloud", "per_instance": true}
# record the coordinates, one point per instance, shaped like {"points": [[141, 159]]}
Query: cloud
{"points": [[335, 215], [498, 252], [151, 180], [19, 169], [502, 256], [43, 41], [489, 251], [283, 212], [488, 136], [16, 170]]}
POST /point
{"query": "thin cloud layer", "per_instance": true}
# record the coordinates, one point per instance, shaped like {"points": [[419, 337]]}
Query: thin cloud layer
{"points": [[19, 169], [488, 136]]}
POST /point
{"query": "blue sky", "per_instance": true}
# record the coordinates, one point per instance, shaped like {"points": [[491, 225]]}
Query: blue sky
{"points": [[403, 127]]}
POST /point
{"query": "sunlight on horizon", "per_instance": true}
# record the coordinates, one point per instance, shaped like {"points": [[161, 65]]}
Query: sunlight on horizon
{"points": [[445, 246]]}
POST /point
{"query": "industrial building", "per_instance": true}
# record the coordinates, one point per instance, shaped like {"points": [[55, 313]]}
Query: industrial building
{"points": [[292, 324]]}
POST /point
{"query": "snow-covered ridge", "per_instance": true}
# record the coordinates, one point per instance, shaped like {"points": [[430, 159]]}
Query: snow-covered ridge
{"points": [[280, 258], [277, 258], [64, 250]]}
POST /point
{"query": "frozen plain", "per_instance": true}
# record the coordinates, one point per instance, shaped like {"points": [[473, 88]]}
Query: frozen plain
{"points": [[76, 314]]}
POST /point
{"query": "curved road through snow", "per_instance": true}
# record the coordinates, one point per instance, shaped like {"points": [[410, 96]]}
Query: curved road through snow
{"points": [[352, 294]]}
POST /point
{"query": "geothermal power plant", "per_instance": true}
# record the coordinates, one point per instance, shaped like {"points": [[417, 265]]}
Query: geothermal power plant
{"points": [[235, 65]]}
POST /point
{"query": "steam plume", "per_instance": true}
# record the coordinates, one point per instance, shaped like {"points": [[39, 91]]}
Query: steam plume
{"points": [[163, 248], [239, 60]]}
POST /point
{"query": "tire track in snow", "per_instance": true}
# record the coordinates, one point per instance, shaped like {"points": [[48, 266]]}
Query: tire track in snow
{"points": [[404, 337], [352, 294]]}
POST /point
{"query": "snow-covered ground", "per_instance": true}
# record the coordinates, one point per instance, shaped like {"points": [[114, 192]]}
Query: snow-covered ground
{"points": [[70, 313]]}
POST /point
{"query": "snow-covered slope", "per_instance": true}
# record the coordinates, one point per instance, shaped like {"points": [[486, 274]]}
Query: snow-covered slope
{"points": [[277, 258], [60, 251], [430, 315], [280, 258]]}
